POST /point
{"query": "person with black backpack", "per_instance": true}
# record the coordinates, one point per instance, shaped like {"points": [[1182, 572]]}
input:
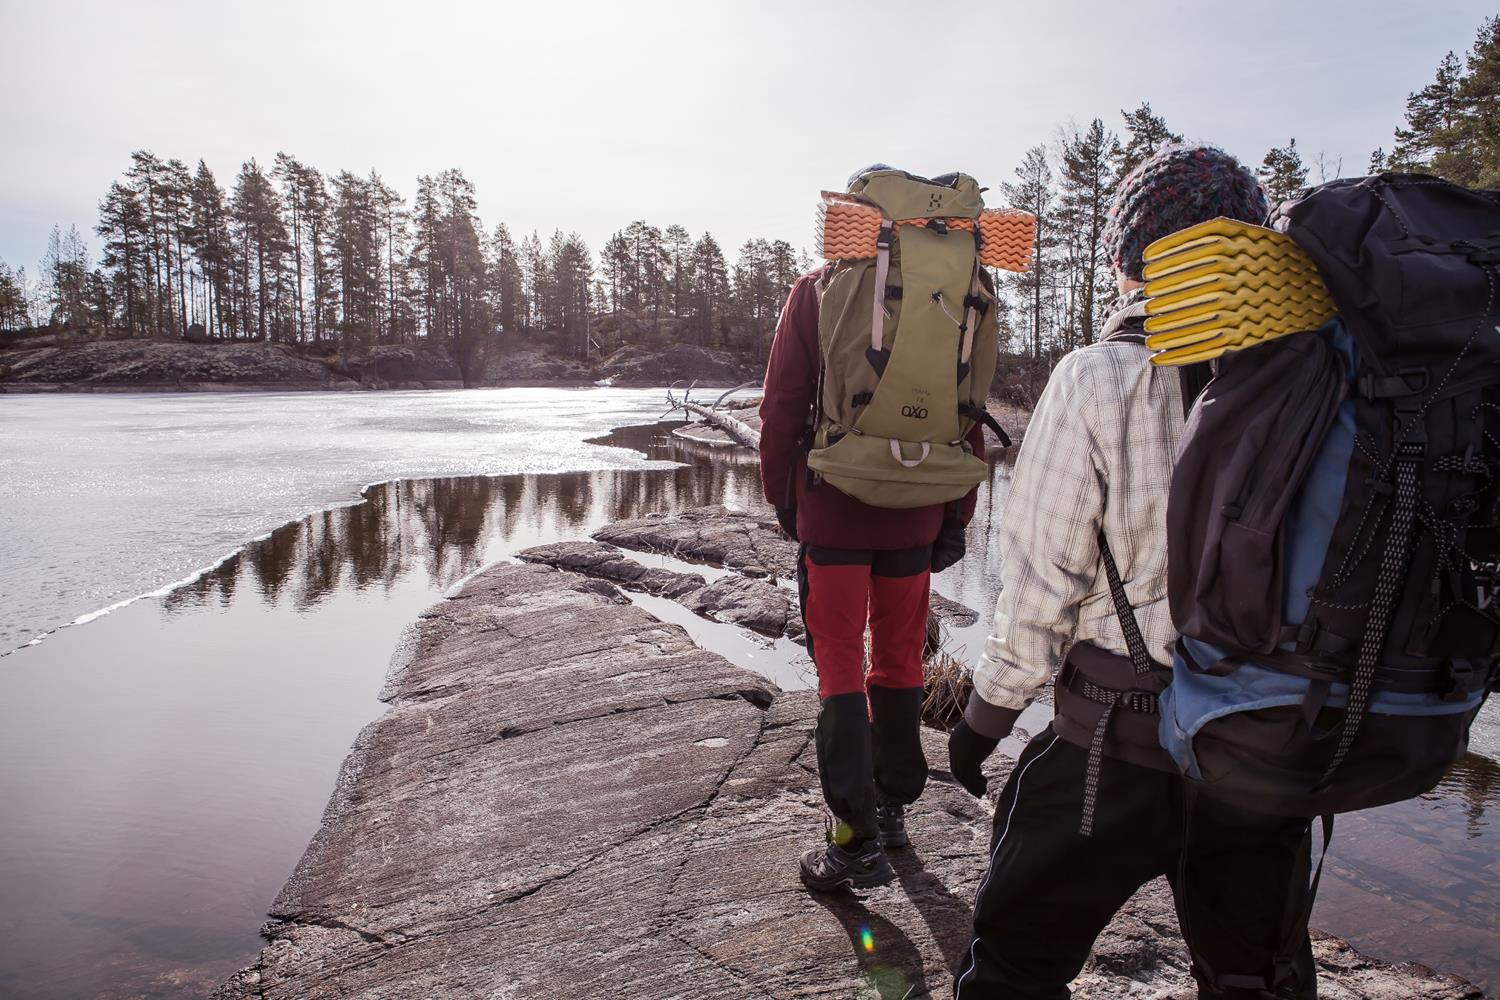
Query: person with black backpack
{"points": [[1095, 808]]}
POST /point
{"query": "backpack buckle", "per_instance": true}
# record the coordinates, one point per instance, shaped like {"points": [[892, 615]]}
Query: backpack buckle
{"points": [[1453, 685], [1406, 382]]}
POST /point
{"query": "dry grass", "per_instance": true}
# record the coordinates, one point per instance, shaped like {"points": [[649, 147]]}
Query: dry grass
{"points": [[948, 683]]}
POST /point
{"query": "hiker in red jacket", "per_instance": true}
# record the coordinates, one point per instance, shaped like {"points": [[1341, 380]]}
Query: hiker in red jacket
{"points": [[857, 564]]}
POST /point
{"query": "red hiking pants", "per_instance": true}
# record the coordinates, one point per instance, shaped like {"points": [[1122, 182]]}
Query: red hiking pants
{"points": [[868, 738], [842, 589]]}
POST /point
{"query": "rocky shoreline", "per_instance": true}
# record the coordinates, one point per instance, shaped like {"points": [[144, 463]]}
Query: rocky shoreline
{"points": [[180, 366], [568, 797]]}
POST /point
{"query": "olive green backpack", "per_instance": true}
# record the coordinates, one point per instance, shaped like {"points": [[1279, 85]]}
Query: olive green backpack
{"points": [[908, 332]]}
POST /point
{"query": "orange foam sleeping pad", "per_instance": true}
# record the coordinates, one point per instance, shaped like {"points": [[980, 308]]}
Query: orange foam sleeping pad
{"points": [[849, 229]]}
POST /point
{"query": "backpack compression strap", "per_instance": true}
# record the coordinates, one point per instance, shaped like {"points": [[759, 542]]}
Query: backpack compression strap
{"points": [[882, 272], [1140, 660]]}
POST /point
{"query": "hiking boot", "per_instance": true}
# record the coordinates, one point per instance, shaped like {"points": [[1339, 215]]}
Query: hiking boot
{"points": [[834, 866], [890, 818]]}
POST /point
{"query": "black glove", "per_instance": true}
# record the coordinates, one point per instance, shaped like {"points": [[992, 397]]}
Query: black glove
{"points": [[950, 545], [787, 518], [967, 750]]}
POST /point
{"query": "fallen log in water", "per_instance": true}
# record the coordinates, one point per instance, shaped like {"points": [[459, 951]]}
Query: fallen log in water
{"points": [[738, 431]]}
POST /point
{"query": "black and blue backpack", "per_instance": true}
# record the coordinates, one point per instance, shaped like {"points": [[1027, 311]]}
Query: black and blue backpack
{"points": [[1334, 516]]}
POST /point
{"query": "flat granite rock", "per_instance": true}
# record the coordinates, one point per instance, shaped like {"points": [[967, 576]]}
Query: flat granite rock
{"points": [[742, 540], [568, 798], [755, 604], [746, 541]]}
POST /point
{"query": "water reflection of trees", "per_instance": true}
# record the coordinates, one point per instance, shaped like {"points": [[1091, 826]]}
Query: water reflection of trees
{"points": [[446, 528]]}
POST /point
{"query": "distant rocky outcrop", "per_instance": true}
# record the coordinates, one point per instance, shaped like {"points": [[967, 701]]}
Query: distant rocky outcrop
{"points": [[677, 362], [529, 367], [65, 363], [154, 365], [395, 366]]}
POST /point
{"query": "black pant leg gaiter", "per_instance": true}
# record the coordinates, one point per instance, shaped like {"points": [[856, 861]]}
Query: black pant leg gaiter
{"points": [[900, 764], [845, 765]]}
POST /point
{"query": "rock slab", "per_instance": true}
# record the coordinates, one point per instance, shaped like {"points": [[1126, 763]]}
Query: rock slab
{"points": [[568, 798], [751, 603]]}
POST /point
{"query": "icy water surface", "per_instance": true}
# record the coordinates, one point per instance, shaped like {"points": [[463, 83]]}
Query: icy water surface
{"points": [[163, 766], [107, 497]]}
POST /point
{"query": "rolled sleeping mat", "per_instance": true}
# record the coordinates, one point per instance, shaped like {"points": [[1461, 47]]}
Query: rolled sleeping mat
{"points": [[849, 229], [1225, 285]]}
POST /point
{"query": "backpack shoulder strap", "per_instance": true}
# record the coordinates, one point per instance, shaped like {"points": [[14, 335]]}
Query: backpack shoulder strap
{"points": [[1140, 658]]}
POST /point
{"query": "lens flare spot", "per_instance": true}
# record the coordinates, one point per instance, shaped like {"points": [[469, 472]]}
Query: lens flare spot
{"points": [[843, 833], [867, 939]]}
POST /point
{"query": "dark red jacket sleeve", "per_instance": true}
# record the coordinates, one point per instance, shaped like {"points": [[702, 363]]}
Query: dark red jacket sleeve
{"points": [[964, 505], [791, 388]]}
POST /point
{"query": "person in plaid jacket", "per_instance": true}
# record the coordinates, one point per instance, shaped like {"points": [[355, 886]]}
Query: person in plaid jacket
{"points": [[1083, 823]]}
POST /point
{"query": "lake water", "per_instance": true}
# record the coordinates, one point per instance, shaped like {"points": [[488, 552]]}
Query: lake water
{"points": [[163, 766]]}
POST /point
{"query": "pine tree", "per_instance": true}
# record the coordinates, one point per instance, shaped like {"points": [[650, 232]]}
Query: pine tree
{"points": [[65, 275], [423, 259], [505, 281], [756, 296], [1148, 132], [212, 245], [1088, 176], [256, 216], [354, 256], [1032, 192], [391, 221], [1283, 173], [677, 244], [615, 262], [12, 301], [1433, 115], [122, 223], [175, 193], [710, 288], [465, 313], [1479, 97], [533, 279]]}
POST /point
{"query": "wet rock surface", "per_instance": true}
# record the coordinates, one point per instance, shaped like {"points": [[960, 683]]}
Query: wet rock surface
{"points": [[748, 541], [756, 604], [568, 798]]}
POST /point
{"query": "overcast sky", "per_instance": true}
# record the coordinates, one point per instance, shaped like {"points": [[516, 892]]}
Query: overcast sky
{"points": [[725, 117]]}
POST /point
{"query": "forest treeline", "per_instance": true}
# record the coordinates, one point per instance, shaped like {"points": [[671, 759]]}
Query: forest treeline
{"points": [[288, 253], [295, 256]]}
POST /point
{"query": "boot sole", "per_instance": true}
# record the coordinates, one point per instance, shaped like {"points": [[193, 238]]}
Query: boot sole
{"points": [[847, 882], [874, 880]]}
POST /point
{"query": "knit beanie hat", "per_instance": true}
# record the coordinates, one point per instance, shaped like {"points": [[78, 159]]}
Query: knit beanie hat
{"points": [[1176, 187]]}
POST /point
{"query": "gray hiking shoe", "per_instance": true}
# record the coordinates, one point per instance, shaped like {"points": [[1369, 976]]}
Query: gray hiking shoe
{"points": [[834, 867], [890, 818]]}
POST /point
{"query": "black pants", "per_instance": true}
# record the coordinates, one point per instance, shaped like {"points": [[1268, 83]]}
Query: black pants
{"points": [[869, 728], [1239, 880]]}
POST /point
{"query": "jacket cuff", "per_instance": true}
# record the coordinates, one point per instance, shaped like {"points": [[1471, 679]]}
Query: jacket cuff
{"points": [[988, 720]]}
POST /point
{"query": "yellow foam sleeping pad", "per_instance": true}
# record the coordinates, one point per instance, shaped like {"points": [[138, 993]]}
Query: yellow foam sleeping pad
{"points": [[1223, 286]]}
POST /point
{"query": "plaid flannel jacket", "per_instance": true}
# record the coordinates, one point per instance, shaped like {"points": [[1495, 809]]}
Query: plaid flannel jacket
{"points": [[1098, 453]]}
